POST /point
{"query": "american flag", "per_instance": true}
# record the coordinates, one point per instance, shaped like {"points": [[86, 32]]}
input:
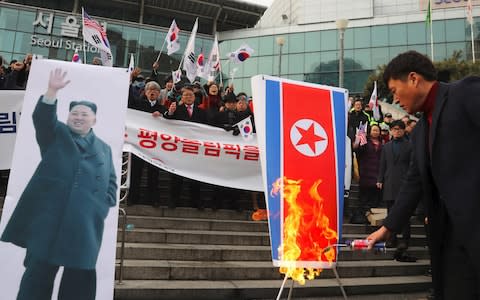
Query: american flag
{"points": [[94, 33], [362, 133]]}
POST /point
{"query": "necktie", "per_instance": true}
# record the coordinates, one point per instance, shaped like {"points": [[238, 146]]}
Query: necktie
{"points": [[189, 110]]}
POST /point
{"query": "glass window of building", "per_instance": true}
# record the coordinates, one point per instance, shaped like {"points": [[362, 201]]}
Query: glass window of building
{"points": [[265, 44], [8, 18], [348, 38], [455, 47], [295, 64], [248, 68], [328, 61], [22, 42], [328, 40], [362, 59], [379, 36], [265, 65], [362, 37], [416, 33], [7, 40], [25, 21], [379, 56], [312, 60], [397, 34], [296, 42], [439, 33], [456, 30], [312, 41]]}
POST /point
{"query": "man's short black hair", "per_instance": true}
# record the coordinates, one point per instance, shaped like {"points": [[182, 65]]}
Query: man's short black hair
{"points": [[410, 61], [398, 123], [188, 87], [90, 104], [409, 122]]}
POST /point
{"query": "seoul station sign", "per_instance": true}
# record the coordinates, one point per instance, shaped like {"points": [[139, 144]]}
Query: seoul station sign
{"points": [[438, 4], [69, 32]]}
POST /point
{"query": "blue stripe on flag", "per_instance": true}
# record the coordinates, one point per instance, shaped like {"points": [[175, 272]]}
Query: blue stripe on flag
{"points": [[273, 154], [340, 135]]}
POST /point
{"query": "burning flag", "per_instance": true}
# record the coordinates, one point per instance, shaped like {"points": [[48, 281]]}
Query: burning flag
{"points": [[303, 163]]}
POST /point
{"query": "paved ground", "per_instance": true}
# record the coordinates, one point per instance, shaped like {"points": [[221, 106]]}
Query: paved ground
{"points": [[416, 296]]}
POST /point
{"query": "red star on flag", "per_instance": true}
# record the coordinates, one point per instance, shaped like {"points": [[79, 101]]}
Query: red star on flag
{"points": [[309, 137]]}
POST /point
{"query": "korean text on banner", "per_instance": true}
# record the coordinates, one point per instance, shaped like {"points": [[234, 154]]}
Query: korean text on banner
{"points": [[10, 108]]}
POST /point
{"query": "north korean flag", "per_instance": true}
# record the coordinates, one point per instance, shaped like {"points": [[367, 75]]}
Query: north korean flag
{"points": [[301, 132]]}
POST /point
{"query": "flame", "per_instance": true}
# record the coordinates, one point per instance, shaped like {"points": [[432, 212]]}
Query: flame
{"points": [[305, 228], [260, 215]]}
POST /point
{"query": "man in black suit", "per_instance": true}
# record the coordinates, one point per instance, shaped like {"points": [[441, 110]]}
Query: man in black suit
{"points": [[444, 172], [394, 163], [149, 102], [186, 111]]}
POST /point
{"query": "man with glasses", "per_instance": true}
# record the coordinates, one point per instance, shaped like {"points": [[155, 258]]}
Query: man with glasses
{"points": [[186, 110]]}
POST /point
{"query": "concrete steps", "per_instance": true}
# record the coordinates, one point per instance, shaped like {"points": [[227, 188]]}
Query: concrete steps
{"points": [[185, 253], [251, 270], [149, 251], [263, 289]]}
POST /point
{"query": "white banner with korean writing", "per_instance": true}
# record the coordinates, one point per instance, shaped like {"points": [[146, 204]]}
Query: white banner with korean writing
{"points": [[10, 107], [193, 150]]}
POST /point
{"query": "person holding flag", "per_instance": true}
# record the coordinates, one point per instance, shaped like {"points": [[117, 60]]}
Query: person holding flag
{"points": [[368, 157], [96, 35], [189, 62]]}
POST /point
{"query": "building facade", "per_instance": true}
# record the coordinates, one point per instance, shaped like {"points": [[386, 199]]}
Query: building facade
{"points": [[52, 28], [377, 31]]}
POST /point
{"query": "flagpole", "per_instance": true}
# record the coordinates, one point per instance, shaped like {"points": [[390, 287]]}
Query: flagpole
{"points": [[473, 43], [431, 28], [83, 37], [161, 50]]}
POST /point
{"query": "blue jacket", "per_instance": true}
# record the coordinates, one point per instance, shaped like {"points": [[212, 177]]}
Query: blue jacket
{"points": [[60, 215]]}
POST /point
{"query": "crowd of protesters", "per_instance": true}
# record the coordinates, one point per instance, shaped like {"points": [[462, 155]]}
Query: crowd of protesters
{"points": [[380, 164]]}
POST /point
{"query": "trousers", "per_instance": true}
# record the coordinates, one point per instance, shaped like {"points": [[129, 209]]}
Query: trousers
{"points": [[39, 276]]}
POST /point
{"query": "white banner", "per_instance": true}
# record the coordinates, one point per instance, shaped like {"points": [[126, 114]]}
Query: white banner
{"points": [[10, 107], [193, 150], [203, 152], [61, 210]]}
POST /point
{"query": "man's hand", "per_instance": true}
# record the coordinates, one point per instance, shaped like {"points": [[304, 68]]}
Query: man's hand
{"points": [[381, 234], [379, 185], [156, 114], [172, 108], [155, 65], [56, 82]]}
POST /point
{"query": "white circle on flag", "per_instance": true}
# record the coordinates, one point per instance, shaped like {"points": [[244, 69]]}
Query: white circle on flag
{"points": [[308, 137]]}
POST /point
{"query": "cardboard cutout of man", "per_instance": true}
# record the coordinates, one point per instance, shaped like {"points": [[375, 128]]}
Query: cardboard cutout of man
{"points": [[59, 218]]}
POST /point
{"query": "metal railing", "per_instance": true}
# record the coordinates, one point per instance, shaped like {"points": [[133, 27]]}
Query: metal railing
{"points": [[124, 189]]}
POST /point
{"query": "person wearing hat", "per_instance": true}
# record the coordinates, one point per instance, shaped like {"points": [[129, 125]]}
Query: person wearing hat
{"points": [[394, 162], [387, 119], [59, 218]]}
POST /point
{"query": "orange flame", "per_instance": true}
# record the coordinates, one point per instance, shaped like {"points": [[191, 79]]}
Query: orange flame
{"points": [[305, 227], [260, 215]]}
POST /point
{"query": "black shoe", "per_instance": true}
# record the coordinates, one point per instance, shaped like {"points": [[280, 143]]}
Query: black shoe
{"points": [[404, 257]]}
